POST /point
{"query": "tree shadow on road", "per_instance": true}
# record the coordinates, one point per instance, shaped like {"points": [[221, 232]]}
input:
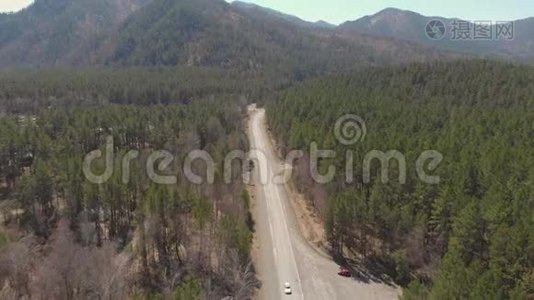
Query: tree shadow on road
{"points": [[369, 270]]}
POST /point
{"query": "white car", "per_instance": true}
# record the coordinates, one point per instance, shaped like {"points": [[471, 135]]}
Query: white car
{"points": [[287, 288]]}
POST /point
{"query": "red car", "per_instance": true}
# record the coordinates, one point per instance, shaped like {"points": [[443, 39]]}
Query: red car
{"points": [[345, 272]]}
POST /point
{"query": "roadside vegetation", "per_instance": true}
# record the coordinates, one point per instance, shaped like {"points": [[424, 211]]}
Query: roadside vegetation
{"points": [[469, 237]]}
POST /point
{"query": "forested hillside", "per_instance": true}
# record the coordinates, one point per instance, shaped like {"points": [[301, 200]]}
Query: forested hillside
{"points": [[410, 26], [216, 34], [52, 32], [205, 33], [469, 237], [64, 237]]}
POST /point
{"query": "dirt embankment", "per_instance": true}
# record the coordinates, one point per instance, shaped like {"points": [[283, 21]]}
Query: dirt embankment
{"points": [[310, 223]]}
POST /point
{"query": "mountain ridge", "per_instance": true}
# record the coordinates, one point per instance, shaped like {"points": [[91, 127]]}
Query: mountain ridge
{"points": [[237, 35], [268, 12], [203, 33], [408, 25]]}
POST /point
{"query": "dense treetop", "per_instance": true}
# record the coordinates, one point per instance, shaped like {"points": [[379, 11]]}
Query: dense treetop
{"points": [[26, 90]]}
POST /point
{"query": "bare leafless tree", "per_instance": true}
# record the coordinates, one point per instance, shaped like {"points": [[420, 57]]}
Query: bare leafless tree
{"points": [[15, 268], [72, 271]]}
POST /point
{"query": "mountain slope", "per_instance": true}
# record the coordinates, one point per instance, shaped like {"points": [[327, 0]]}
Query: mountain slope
{"points": [[208, 33], [60, 31], [523, 44], [214, 33], [390, 22], [263, 12], [410, 26]]}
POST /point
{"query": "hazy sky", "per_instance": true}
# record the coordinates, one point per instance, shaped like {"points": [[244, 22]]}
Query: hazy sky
{"points": [[337, 11], [13, 5]]}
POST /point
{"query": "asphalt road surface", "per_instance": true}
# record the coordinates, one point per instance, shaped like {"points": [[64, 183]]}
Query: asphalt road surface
{"points": [[284, 256]]}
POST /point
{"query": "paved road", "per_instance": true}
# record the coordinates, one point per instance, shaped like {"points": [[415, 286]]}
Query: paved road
{"points": [[284, 256]]}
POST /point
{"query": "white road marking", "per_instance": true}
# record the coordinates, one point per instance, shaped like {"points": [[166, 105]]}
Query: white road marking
{"points": [[293, 260], [284, 236]]}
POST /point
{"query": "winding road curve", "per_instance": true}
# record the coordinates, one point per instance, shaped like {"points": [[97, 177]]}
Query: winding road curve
{"points": [[283, 255]]}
